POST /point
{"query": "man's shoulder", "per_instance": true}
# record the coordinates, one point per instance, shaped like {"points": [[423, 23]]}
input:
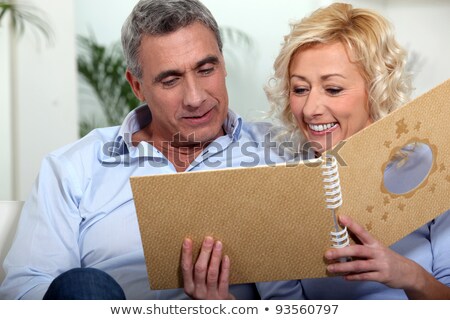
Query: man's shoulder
{"points": [[259, 131], [88, 145]]}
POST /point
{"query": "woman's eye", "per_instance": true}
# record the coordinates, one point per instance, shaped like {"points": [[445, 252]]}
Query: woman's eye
{"points": [[334, 91], [299, 90]]}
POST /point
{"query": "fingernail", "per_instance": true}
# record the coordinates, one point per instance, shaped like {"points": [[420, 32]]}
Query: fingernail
{"points": [[330, 268], [208, 241], [186, 243], [343, 218], [329, 254], [218, 245]]}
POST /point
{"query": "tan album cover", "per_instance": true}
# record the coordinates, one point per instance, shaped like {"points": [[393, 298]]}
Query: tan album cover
{"points": [[273, 221]]}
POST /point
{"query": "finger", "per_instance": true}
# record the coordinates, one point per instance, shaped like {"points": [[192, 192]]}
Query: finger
{"points": [[224, 277], [355, 266], [186, 266], [366, 276], [201, 266], [214, 266], [363, 235], [354, 251]]}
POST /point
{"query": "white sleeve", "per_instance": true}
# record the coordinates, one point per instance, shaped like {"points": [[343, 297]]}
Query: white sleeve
{"points": [[281, 290], [46, 241], [440, 245]]}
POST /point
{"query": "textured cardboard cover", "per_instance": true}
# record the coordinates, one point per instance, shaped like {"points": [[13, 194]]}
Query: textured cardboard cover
{"points": [[273, 221]]}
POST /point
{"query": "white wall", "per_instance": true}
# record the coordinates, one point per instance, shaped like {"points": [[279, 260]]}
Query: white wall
{"points": [[6, 183], [43, 91], [423, 27]]}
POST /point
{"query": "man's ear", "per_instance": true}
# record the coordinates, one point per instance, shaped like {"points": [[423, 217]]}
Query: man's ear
{"points": [[135, 85], [224, 67]]}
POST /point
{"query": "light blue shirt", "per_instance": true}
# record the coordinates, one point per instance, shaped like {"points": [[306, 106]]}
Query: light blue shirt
{"points": [[81, 211], [429, 246]]}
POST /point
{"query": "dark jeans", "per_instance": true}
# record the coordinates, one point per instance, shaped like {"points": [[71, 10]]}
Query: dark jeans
{"points": [[84, 284]]}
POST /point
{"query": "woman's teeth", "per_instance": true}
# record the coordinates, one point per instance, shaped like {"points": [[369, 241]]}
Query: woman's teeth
{"points": [[321, 127]]}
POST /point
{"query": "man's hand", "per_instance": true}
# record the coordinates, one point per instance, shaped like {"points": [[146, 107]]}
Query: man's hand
{"points": [[209, 277]]}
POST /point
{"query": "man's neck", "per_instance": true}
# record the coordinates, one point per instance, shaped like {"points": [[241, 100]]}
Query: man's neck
{"points": [[181, 156]]}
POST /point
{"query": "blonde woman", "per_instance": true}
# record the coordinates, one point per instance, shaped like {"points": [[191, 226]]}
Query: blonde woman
{"points": [[339, 70]]}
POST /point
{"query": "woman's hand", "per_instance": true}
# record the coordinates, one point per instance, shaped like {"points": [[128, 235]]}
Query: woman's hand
{"points": [[372, 261], [209, 277]]}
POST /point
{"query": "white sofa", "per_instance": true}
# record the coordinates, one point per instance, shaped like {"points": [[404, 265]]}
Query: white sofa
{"points": [[9, 217]]}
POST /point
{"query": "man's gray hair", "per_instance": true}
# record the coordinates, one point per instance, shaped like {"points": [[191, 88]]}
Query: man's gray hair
{"points": [[160, 17]]}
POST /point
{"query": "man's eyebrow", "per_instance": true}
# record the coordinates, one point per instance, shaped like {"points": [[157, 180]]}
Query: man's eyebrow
{"points": [[208, 59], [165, 74]]}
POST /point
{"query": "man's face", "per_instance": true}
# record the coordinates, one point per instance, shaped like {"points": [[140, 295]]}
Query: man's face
{"points": [[183, 83]]}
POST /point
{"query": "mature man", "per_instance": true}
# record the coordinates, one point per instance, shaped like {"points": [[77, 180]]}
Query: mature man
{"points": [[78, 237]]}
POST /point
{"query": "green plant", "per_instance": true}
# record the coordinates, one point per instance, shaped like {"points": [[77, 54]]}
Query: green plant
{"points": [[234, 38], [103, 69], [21, 15]]}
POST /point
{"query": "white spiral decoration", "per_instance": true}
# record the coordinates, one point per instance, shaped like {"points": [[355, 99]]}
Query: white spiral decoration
{"points": [[340, 239], [333, 199], [332, 184]]}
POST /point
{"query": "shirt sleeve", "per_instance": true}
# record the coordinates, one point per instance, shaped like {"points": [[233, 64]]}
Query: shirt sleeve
{"points": [[281, 290], [440, 244], [46, 240]]}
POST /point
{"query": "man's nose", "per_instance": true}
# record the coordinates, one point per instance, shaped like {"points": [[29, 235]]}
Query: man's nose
{"points": [[194, 93]]}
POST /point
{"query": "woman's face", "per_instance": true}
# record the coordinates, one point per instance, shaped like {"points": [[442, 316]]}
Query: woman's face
{"points": [[328, 95]]}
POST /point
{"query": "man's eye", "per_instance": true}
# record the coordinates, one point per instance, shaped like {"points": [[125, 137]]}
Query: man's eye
{"points": [[206, 71], [169, 83]]}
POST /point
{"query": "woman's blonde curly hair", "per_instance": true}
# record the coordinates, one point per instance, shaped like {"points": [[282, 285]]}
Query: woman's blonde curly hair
{"points": [[370, 39]]}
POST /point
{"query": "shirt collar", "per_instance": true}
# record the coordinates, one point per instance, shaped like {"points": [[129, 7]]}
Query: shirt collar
{"points": [[233, 126], [141, 117]]}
